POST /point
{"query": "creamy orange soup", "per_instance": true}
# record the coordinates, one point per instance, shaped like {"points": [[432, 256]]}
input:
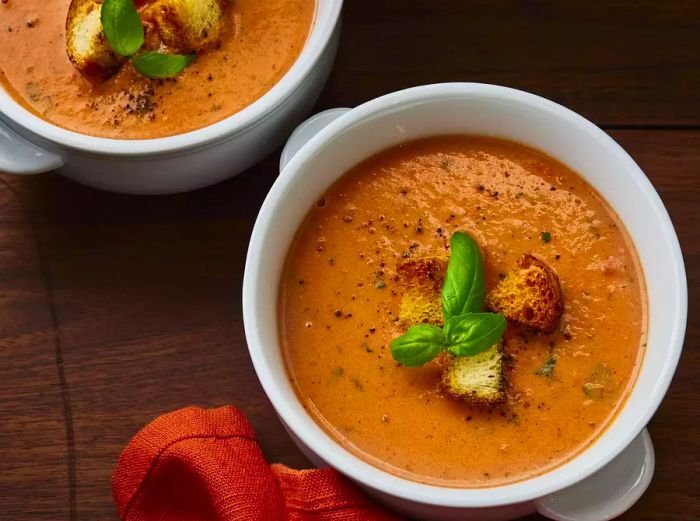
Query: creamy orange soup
{"points": [[339, 303], [261, 41]]}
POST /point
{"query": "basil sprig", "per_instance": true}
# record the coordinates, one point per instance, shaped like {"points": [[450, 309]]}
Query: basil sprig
{"points": [[125, 34], [468, 331]]}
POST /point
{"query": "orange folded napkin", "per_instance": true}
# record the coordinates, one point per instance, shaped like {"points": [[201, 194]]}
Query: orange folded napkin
{"points": [[205, 465]]}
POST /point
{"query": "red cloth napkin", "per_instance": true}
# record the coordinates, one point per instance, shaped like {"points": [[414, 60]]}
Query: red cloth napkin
{"points": [[205, 465]]}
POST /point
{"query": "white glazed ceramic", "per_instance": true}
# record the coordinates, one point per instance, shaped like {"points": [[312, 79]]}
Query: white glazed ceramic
{"points": [[29, 144], [611, 474]]}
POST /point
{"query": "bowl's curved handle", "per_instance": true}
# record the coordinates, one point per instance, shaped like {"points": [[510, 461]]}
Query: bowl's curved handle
{"points": [[19, 156], [607, 493], [308, 129]]}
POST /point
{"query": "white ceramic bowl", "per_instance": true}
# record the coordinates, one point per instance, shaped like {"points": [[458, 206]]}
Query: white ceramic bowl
{"points": [[610, 475], [29, 144]]}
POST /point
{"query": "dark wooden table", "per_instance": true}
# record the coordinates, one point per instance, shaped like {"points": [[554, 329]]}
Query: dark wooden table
{"points": [[114, 309]]}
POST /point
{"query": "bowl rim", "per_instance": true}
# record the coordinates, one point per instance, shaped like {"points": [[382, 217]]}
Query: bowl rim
{"points": [[322, 444], [326, 17]]}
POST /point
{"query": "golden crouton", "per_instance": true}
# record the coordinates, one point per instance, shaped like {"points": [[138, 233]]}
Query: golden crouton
{"points": [[420, 284], [183, 26], [529, 295], [478, 379], [87, 46]]}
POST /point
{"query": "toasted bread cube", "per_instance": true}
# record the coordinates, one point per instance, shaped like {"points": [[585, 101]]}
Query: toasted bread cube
{"points": [[420, 284], [86, 44], [529, 295], [184, 26], [479, 379]]}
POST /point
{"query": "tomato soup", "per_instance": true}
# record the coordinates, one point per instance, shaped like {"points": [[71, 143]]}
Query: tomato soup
{"points": [[260, 42], [339, 305]]}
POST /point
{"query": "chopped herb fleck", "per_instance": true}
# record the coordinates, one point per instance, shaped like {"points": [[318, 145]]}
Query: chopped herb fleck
{"points": [[593, 389], [380, 284], [546, 237], [598, 383], [338, 372], [548, 367], [33, 91], [356, 382]]}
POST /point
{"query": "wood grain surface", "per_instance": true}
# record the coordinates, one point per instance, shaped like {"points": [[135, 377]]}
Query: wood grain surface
{"points": [[115, 309]]}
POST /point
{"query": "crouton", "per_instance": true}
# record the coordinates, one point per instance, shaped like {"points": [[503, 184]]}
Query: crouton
{"points": [[420, 283], [183, 26], [478, 379], [86, 44], [529, 295]]}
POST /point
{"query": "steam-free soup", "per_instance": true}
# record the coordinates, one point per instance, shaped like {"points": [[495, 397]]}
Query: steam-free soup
{"points": [[339, 304], [259, 44]]}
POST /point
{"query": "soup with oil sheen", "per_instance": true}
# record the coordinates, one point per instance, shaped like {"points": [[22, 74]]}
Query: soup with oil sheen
{"points": [[339, 303]]}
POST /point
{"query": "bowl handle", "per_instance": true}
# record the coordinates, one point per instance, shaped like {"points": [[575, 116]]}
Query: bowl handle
{"points": [[19, 156], [607, 493], [308, 129]]}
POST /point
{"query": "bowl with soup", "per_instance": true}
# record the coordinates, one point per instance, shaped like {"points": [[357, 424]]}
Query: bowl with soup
{"points": [[354, 259], [97, 120]]}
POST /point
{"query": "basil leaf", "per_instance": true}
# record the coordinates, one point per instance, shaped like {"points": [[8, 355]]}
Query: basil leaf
{"points": [[122, 26], [472, 333], [419, 345], [157, 65], [464, 289]]}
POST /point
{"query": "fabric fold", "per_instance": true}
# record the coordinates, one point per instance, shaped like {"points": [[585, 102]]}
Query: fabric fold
{"points": [[205, 465]]}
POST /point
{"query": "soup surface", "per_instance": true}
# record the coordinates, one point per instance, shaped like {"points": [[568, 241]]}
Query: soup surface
{"points": [[260, 43], [339, 303]]}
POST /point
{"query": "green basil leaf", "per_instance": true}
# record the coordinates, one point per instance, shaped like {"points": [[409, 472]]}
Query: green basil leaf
{"points": [[158, 65], [122, 26], [419, 345], [472, 333], [464, 289]]}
